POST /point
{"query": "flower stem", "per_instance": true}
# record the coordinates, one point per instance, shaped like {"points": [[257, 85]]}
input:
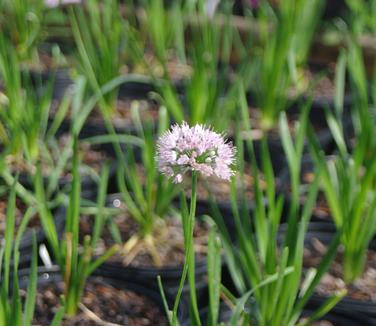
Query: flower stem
{"points": [[190, 254], [188, 218]]}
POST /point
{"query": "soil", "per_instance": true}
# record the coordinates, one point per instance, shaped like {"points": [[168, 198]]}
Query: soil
{"points": [[323, 85], [321, 209], [362, 289], [100, 303], [168, 240], [45, 63], [175, 69]]}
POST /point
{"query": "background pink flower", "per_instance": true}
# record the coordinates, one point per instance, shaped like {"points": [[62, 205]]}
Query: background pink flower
{"points": [[55, 3]]}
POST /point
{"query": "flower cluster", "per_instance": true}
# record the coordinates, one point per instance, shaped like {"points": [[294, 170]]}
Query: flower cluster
{"points": [[197, 148], [56, 3]]}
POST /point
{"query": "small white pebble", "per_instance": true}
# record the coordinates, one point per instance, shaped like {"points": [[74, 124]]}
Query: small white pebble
{"points": [[116, 203]]}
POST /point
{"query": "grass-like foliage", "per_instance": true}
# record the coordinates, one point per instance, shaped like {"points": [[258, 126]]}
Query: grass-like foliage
{"points": [[13, 309], [76, 264], [267, 265], [99, 33]]}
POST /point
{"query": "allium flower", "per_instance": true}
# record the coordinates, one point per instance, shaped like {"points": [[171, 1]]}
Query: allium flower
{"points": [[211, 7], [253, 4], [197, 148], [56, 3]]}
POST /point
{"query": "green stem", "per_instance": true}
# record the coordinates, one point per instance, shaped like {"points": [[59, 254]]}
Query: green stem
{"points": [[353, 265], [189, 263], [191, 253]]}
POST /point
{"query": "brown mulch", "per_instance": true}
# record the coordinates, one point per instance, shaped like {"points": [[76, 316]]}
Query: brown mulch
{"points": [[101, 302], [362, 289]]}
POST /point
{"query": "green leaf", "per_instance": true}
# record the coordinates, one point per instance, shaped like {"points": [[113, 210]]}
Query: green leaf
{"points": [[58, 318], [287, 142], [59, 116], [101, 201], [235, 319], [99, 261], [279, 285], [108, 139], [337, 133], [164, 300], [9, 235], [46, 217], [214, 276], [321, 270], [32, 286], [340, 78]]}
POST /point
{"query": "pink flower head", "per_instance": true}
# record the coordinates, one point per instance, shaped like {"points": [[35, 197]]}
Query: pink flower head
{"points": [[56, 3], [254, 3], [211, 7], [197, 148]]}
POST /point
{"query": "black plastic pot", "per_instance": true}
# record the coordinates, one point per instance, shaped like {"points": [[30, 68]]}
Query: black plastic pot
{"points": [[325, 232], [62, 82], [332, 9], [170, 278], [322, 230], [60, 79], [342, 318], [52, 275], [346, 305], [141, 90], [335, 8], [147, 276]]}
